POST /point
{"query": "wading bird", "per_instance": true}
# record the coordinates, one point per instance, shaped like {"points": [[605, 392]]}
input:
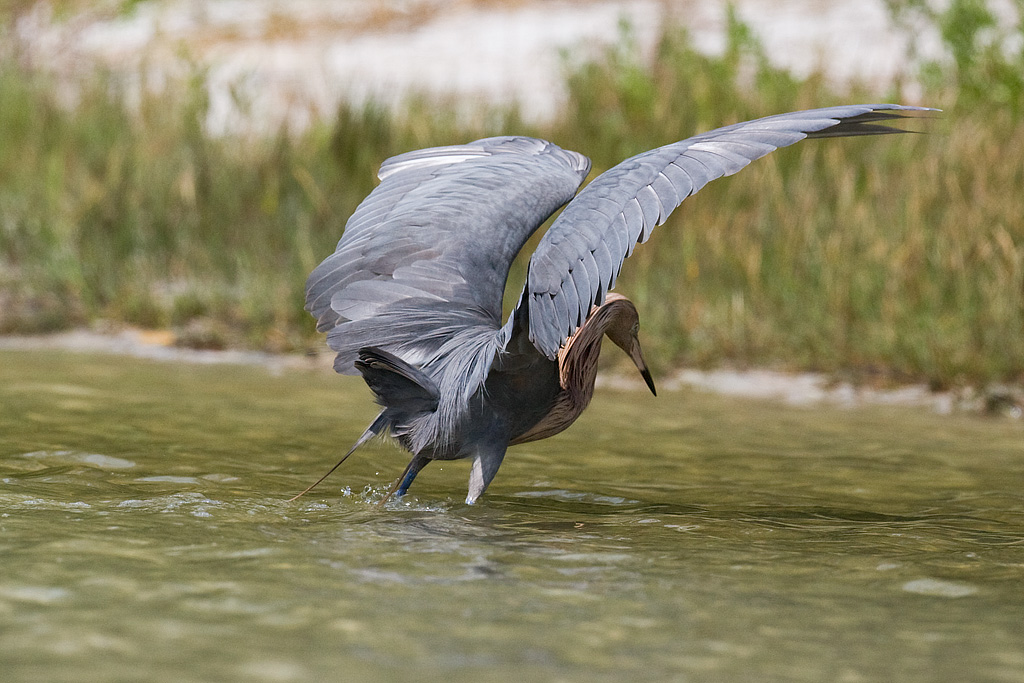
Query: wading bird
{"points": [[411, 299]]}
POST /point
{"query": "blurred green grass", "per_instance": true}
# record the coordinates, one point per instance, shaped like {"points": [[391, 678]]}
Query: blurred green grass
{"points": [[900, 258]]}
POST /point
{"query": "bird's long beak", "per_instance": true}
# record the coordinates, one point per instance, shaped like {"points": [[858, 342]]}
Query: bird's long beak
{"points": [[637, 354]]}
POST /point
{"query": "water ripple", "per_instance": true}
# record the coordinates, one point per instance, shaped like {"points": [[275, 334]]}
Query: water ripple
{"points": [[105, 462], [940, 588], [576, 497]]}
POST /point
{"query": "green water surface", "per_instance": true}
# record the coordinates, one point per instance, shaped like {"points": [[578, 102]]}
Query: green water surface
{"points": [[145, 535]]}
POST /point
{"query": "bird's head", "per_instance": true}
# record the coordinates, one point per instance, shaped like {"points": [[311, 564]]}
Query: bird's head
{"points": [[623, 328]]}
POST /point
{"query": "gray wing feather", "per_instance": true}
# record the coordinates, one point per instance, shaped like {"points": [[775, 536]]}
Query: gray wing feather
{"points": [[569, 272], [431, 246], [572, 305], [616, 244], [581, 289], [561, 307], [663, 188], [652, 210], [680, 179], [633, 217], [605, 264]]}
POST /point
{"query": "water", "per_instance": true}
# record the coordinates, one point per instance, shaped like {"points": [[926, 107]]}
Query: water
{"points": [[144, 535]]}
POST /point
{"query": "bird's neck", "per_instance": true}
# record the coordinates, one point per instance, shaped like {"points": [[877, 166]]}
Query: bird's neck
{"points": [[577, 371], [577, 359]]}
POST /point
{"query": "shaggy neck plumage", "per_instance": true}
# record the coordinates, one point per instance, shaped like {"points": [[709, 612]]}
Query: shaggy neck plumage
{"points": [[577, 360]]}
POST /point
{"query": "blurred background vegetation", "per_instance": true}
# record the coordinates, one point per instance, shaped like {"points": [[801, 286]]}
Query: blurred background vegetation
{"points": [[878, 260]]}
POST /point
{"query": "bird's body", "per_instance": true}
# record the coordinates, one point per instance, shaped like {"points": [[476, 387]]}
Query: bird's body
{"points": [[411, 298], [577, 365]]}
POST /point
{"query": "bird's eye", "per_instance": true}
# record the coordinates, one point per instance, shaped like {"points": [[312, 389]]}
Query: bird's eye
{"points": [[635, 330]]}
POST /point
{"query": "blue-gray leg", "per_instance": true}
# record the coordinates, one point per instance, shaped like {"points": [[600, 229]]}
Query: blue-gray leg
{"points": [[417, 463], [486, 462]]}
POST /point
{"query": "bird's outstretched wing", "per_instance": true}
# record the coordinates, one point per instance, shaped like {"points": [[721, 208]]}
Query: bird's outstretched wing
{"points": [[580, 256], [424, 258]]}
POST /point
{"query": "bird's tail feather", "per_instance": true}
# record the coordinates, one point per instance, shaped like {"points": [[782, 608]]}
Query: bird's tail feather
{"points": [[397, 385], [375, 428]]}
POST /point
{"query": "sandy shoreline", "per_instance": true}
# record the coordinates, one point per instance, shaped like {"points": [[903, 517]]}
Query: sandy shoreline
{"points": [[803, 389]]}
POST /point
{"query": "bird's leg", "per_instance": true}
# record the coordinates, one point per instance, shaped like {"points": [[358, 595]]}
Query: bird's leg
{"points": [[486, 462], [415, 465], [403, 483]]}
